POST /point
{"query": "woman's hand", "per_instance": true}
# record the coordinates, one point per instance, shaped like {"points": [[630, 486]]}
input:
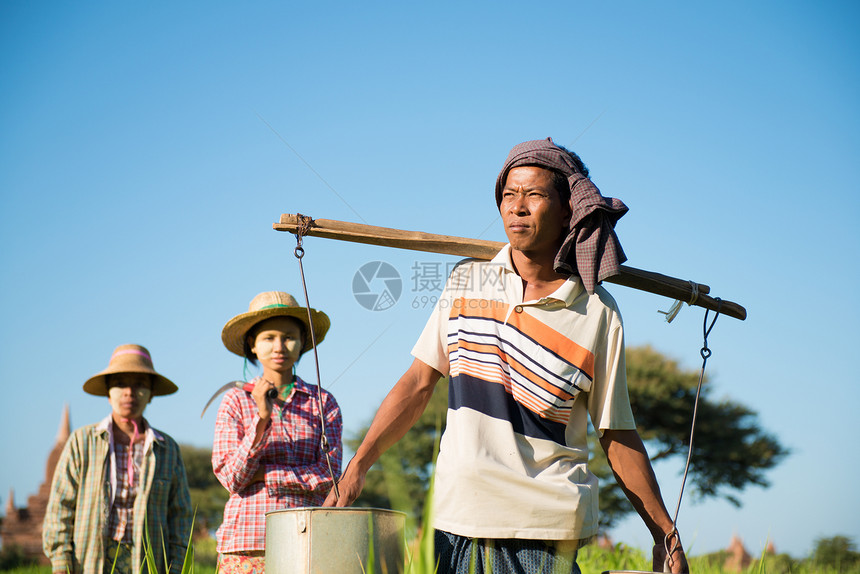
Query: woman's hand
{"points": [[264, 403]]}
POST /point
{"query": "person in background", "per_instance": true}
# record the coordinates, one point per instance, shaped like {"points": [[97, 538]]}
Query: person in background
{"points": [[119, 483], [534, 347], [267, 450]]}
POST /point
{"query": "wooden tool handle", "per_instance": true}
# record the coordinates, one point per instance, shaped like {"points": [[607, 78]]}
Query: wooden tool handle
{"points": [[640, 279]]}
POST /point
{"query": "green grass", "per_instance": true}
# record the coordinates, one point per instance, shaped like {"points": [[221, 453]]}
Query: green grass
{"points": [[591, 560], [595, 559], [198, 567], [202, 557]]}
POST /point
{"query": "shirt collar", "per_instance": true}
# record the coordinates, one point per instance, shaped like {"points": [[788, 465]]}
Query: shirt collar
{"points": [[566, 293], [304, 387], [105, 427], [503, 258], [301, 385]]}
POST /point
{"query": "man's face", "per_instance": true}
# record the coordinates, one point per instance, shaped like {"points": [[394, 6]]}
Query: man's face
{"points": [[534, 217], [129, 393]]}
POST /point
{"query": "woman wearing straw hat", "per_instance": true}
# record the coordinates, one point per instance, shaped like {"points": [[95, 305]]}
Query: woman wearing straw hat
{"points": [[117, 476], [267, 451]]}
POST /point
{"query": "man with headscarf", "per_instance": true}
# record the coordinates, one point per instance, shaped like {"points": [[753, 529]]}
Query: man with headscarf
{"points": [[533, 346]]}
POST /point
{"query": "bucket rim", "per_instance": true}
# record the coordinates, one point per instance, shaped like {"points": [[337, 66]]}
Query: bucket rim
{"points": [[359, 509]]}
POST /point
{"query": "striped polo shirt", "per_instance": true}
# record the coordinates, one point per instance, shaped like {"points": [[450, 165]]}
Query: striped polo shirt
{"points": [[524, 378]]}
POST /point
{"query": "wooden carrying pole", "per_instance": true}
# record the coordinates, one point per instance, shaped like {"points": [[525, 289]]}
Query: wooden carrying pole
{"points": [[482, 249]]}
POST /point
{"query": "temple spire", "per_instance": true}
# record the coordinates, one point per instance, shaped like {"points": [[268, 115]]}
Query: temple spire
{"points": [[65, 429]]}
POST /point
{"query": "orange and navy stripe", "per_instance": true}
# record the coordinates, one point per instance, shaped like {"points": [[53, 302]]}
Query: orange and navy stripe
{"points": [[514, 365]]}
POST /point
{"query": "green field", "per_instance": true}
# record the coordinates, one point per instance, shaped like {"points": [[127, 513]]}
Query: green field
{"points": [[591, 560]]}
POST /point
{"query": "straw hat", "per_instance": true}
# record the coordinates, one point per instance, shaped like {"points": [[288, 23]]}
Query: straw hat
{"points": [[265, 306], [129, 359]]}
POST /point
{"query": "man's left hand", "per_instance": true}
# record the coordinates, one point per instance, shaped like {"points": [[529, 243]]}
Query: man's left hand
{"points": [[677, 563]]}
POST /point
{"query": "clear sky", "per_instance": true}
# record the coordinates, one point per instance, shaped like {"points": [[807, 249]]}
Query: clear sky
{"points": [[147, 148]]}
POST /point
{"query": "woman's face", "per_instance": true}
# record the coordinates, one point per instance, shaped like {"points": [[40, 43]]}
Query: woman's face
{"points": [[129, 393], [277, 344]]}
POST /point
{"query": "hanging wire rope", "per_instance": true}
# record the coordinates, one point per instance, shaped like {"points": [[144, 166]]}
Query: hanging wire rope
{"points": [[705, 352], [299, 252]]}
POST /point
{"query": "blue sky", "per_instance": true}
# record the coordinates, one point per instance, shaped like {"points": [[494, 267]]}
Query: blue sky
{"points": [[147, 148]]}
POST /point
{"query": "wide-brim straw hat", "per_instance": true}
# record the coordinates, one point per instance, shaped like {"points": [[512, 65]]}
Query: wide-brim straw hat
{"points": [[273, 304], [130, 359]]}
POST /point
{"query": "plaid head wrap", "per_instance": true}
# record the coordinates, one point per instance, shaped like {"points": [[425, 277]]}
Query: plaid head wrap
{"points": [[591, 248]]}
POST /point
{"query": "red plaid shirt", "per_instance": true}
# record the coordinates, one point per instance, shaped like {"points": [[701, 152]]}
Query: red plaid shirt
{"points": [[290, 453]]}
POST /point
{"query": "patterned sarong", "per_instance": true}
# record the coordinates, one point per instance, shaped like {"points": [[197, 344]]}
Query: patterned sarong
{"points": [[455, 556], [117, 557], [252, 562]]}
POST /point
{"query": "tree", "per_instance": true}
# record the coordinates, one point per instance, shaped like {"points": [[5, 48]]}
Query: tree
{"points": [[839, 553], [208, 497], [731, 451]]}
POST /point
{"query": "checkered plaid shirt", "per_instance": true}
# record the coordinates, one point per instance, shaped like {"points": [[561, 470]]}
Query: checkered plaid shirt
{"points": [[121, 516], [296, 471], [75, 527]]}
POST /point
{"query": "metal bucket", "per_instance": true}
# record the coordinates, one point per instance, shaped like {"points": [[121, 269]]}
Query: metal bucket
{"points": [[335, 541]]}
